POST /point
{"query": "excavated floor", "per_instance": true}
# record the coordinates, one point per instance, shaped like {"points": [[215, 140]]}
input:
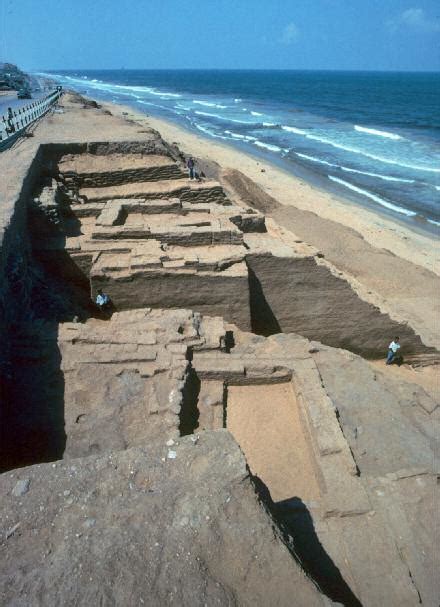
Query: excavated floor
{"points": [[266, 422]]}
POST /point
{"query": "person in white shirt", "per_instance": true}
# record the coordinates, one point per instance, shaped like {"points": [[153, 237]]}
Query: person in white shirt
{"points": [[393, 348]]}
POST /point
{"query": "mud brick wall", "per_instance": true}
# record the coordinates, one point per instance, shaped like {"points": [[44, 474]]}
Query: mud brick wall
{"points": [[213, 295], [299, 296], [103, 179]]}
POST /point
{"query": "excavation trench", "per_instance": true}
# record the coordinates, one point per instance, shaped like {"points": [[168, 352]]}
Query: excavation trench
{"points": [[264, 293]]}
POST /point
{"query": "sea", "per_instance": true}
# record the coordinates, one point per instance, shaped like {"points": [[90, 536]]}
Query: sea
{"points": [[372, 137]]}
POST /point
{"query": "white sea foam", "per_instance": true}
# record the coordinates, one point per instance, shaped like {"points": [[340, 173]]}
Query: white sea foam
{"points": [[199, 113], [208, 132], [239, 121], [376, 132], [161, 93], [238, 136], [313, 159], [269, 124], [292, 129], [378, 175], [381, 201], [182, 107], [378, 158], [150, 103], [209, 104], [347, 148], [434, 222], [223, 118], [437, 187], [269, 146], [238, 100], [256, 114]]}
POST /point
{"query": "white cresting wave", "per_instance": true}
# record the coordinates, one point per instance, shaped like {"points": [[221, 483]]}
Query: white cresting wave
{"points": [[199, 113], [208, 132], [256, 114], [238, 136], [360, 152], [269, 146], [378, 175], [349, 170], [434, 222], [376, 132], [209, 104], [381, 201]]}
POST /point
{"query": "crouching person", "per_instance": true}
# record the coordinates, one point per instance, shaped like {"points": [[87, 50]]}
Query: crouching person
{"points": [[103, 302]]}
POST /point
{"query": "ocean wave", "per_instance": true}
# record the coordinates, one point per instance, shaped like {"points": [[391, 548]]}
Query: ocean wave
{"points": [[292, 129], [269, 146], [269, 124], [150, 103], [199, 113], [378, 175], [208, 132], [313, 159], [209, 104], [238, 136], [349, 170], [376, 132], [152, 91], [352, 150], [381, 201], [240, 121], [224, 118], [178, 106], [238, 100], [256, 114], [437, 187], [434, 222]]}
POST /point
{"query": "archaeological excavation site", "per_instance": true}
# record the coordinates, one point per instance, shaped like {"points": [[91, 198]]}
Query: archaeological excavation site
{"points": [[222, 434]]}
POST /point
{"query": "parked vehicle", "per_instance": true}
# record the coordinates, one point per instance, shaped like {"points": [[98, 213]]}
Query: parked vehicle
{"points": [[24, 94]]}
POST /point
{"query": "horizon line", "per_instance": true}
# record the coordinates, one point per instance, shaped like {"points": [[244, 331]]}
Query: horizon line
{"points": [[244, 69]]}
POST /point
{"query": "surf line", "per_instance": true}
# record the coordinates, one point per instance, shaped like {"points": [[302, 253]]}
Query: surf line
{"points": [[381, 201]]}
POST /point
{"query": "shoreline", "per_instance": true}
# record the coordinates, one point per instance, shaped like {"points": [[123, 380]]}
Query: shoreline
{"points": [[416, 245]]}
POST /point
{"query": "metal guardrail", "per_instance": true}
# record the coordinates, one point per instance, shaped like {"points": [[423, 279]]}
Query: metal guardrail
{"points": [[16, 121]]}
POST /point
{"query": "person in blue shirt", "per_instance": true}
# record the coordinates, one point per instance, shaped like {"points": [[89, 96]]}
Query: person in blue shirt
{"points": [[191, 166], [102, 300]]}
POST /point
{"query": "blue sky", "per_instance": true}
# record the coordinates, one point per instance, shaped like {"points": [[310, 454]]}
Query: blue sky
{"points": [[257, 34]]}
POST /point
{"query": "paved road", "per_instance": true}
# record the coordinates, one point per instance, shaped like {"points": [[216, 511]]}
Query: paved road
{"points": [[10, 100]]}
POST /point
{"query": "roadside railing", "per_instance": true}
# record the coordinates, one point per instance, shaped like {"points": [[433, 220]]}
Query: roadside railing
{"points": [[14, 122]]}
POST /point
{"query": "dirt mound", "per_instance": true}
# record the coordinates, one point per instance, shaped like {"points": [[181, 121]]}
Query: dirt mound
{"points": [[178, 525]]}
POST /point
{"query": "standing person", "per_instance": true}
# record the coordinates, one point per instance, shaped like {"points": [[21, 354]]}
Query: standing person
{"points": [[393, 348], [11, 126], [191, 166]]}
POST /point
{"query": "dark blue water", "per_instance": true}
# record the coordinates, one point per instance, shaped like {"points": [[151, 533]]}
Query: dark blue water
{"points": [[373, 136]]}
